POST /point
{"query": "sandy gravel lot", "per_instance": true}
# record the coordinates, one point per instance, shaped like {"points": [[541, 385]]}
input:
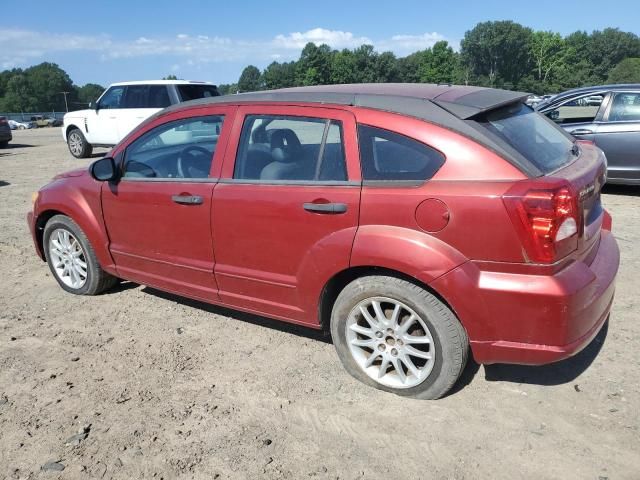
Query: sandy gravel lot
{"points": [[160, 387]]}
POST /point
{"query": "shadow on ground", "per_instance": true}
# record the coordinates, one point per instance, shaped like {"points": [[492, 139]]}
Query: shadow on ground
{"points": [[3, 183], [557, 373], [243, 317], [12, 145], [629, 190]]}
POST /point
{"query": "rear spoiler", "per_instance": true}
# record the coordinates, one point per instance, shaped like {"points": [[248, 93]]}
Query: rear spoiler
{"points": [[476, 103]]}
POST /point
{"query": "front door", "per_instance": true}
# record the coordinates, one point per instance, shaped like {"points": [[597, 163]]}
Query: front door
{"points": [[285, 212], [158, 216], [101, 123]]}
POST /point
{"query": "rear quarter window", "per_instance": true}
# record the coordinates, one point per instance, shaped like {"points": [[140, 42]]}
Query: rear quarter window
{"points": [[389, 156], [196, 91]]}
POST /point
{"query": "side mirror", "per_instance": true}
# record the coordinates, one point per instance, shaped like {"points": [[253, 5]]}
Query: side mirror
{"points": [[94, 106], [104, 170]]}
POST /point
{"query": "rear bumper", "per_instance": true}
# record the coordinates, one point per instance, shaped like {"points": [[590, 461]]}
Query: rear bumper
{"points": [[534, 319]]}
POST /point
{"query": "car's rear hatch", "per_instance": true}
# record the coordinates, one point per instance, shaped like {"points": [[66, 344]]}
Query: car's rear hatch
{"points": [[557, 213]]}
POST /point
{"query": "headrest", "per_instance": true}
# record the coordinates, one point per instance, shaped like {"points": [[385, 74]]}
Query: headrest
{"points": [[285, 145]]}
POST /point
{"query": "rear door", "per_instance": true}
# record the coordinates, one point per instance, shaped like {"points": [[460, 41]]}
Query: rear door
{"points": [[619, 136], [285, 211], [580, 116]]}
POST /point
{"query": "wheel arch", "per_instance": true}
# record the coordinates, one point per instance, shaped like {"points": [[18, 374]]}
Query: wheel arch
{"points": [[72, 126], [340, 280]]}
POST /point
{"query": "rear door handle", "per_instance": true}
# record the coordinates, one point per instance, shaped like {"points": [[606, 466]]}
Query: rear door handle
{"points": [[330, 208], [187, 199], [581, 131]]}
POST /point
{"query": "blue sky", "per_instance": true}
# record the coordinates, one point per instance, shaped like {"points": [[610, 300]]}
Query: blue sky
{"points": [[207, 40]]}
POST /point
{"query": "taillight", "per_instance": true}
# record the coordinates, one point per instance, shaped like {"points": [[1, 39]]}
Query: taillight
{"points": [[3, 121], [545, 214]]}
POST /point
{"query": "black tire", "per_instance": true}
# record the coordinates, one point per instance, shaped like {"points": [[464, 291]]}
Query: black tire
{"points": [[78, 145], [449, 337], [4, 144], [97, 280]]}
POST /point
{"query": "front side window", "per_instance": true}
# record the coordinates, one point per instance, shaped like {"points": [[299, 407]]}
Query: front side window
{"points": [[579, 110], [625, 107], [385, 155], [182, 149], [277, 148], [112, 98]]}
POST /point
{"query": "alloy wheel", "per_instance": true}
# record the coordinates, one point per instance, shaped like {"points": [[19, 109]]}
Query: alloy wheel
{"points": [[67, 258], [390, 342]]}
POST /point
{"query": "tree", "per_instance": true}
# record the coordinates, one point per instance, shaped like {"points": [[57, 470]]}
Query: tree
{"points": [[627, 71], [228, 88], [89, 92], [438, 64], [314, 65], [46, 82], [548, 52], [170, 77], [279, 75], [250, 79], [497, 51], [610, 47]]}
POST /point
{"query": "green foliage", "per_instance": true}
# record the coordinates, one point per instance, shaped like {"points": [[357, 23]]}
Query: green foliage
{"points": [[170, 77], [627, 71], [502, 54], [89, 93], [250, 79]]}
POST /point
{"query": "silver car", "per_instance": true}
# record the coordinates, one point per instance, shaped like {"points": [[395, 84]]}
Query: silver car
{"points": [[608, 115]]}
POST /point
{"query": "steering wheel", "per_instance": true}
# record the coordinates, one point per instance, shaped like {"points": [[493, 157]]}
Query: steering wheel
{"points": [[194, 162]]}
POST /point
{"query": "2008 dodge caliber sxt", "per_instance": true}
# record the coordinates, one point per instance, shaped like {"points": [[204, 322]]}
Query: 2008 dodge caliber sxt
{"points": [[414, 222]]}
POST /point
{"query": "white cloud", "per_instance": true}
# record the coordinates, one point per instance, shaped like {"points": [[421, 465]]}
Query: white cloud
{"points": [[24, 47], [333, 38]]}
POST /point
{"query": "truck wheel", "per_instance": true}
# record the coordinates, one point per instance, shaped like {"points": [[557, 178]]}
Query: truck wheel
{"points": [[72, 260], [393, 335], [78, 145]]}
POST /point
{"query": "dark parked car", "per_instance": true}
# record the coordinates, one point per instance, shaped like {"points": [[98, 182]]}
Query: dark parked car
{"points": [[413, 222], [5, 132], [607, 115]]}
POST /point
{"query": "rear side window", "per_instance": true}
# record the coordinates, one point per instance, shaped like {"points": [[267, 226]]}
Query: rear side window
{"points": [[625, 107], [532, 135], [193, 92], [283, 148], [385, 155]]}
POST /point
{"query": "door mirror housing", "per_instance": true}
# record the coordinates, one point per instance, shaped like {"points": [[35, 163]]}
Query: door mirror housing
{"points": [[104, 170], [94, 105]]}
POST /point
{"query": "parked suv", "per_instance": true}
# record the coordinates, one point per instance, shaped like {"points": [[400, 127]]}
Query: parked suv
{"points": [[5, 132], [609, 116], [122, 107], [413, 222]]}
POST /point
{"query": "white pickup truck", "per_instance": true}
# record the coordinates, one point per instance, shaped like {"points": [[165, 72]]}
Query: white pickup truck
{"points": [[122, 107]]}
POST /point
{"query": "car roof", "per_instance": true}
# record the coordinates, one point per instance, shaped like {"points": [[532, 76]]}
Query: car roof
{"points": [[586, 90], [448, 106], [427, 101], [161, 82]]}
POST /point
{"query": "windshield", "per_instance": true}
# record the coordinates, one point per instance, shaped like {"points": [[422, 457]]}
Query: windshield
{"points": [[193, 92], [534, 136]]}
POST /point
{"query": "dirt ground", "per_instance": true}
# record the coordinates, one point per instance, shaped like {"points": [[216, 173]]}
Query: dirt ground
{"points": [[160, 387]]}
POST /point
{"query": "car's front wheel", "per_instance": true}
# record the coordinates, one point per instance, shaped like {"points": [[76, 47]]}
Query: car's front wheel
{"points": [[78, 145], [71, 258], [396, 336]]}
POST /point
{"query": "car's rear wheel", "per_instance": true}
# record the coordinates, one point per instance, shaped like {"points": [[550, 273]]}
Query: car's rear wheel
{"points": [[71, 258], [78, 145], [394, 335]]}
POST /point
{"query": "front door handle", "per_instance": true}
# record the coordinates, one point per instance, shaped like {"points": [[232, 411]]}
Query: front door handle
{"points": [[330, 208], [581, 131], [187, 199]]}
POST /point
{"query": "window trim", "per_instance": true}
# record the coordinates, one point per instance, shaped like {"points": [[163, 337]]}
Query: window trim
{"points": [[124, 153], [600, 114], [328, 122], [394, 183]]}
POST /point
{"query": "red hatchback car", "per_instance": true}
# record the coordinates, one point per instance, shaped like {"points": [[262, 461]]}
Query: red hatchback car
{"points": [[414, 222]]}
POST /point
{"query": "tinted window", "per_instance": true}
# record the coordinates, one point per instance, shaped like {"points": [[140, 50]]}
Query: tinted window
{"points": [[532, 135], [625, 107], [195, 91], [136, 96], [386, 155], [180, 149], [112, 98], [579, 110], [290, 148]]}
